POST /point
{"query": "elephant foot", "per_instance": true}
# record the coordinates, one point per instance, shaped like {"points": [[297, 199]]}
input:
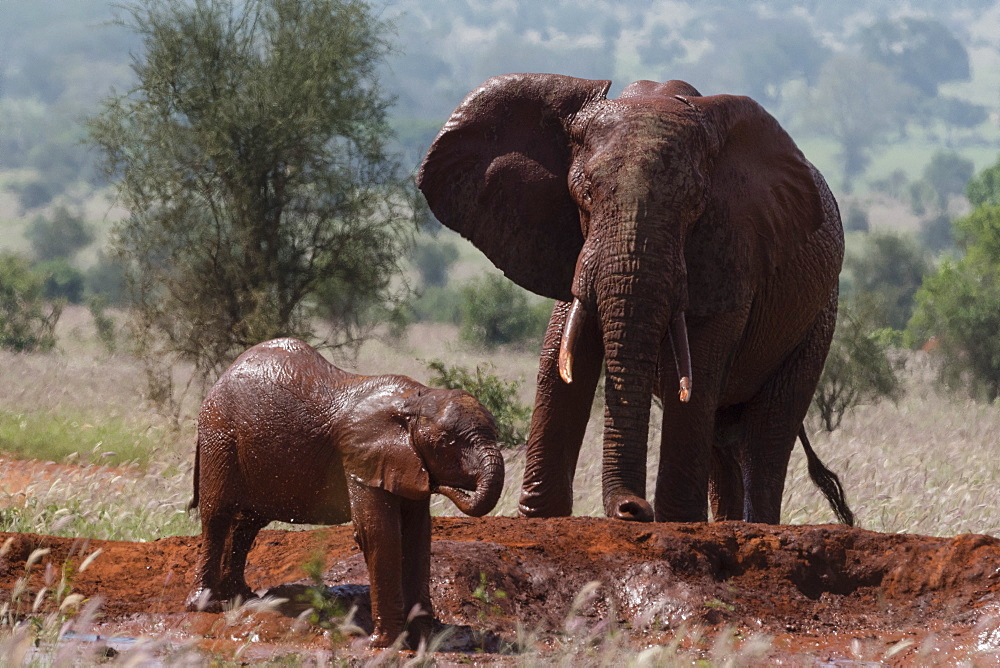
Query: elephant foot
{"points": [[385, 638], [628, 507], [533, 504], [419, 628], [203, 599]]}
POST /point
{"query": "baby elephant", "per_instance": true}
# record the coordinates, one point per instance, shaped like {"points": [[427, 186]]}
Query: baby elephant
{"points": [[285, 435]]}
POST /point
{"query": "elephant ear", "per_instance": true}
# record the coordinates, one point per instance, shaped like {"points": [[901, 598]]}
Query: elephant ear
{"points": [[378, 451], [761, 184], [497, 174]]}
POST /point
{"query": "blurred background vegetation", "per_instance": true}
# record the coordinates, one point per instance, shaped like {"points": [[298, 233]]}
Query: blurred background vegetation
{"points": [[898, 105]]}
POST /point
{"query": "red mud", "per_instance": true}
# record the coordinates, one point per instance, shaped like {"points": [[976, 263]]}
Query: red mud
{"points": [[821, 593]]}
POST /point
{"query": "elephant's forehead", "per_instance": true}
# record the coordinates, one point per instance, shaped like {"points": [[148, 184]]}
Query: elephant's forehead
{"points": [[463, 411], [631, 119]]}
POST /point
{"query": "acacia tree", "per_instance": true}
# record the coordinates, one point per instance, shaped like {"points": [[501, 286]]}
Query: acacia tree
{"points": [[251, 157]]}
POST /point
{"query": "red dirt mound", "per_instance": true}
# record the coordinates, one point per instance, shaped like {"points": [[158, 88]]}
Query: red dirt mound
{"points": [[820, 593]]}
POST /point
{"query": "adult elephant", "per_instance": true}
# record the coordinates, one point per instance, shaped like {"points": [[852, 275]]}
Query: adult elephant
{"points": [[285, 435], [681, 235]]}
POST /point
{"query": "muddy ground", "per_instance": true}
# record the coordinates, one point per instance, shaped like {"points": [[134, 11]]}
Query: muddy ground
{"points": [[822, 594]]}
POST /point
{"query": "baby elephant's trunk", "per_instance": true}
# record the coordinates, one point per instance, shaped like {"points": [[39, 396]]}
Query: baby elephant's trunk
{"points": [[489, 483]]}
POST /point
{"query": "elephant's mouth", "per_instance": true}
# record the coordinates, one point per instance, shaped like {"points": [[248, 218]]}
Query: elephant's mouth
{"points": [[678, 341], [478, 496], [452, 491]]}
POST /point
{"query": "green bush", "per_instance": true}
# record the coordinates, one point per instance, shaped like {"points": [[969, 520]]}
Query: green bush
{"points": [[33, 194], [984, 188], [104, 324], [61, 236], [62, 280], [495, 311], [889, 269], [437, 304], [27, 321], [498, 396], [858, 369], [432, 258], [959, 304], [107, 279]]}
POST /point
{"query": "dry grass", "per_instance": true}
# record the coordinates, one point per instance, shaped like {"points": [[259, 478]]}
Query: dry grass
{"points": [[924, 466]]}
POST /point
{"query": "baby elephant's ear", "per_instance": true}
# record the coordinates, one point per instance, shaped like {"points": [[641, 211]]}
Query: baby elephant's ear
{"points": [[382, 455], [392, 464]]}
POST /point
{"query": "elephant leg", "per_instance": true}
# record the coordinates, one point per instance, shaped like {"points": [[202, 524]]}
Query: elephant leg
{"points": [[725, 486], [770, 422], [378, 532], [692, 467], [416, 532], [244, 530], [559, 419], [215, 531], [682, 479]]}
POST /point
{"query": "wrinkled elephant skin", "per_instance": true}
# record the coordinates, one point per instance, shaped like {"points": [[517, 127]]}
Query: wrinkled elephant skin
{"points": [[692, 250], [284, 435]]}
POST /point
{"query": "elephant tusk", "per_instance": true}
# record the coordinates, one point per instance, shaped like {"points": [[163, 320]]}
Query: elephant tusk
{"points": [[682, 355], [685, 392], [571, 332]]}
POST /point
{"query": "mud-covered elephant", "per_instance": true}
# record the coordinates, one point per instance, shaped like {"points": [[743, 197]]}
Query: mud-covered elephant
{"points": [[284, 435], [692, 249]]}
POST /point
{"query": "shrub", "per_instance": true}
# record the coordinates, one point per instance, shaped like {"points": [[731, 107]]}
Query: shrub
{"points": [[252, 153], [498, 396], [104, 324], [858, 369], [60, 236], [33, 194], [890, 269], [62, 280], [495, 312], [960, 305], [437, 304], [984, 188], [27, 322], [936, 234], [433, 258], [107, 279], [947, 174]]}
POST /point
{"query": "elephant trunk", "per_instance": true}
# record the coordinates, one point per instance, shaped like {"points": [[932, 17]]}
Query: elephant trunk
{"points": [[640, 295], [489, 482], [631, 354]]}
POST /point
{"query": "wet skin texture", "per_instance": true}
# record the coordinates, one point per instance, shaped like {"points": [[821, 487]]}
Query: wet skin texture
{"points": [[657, 214], [284, 435]]}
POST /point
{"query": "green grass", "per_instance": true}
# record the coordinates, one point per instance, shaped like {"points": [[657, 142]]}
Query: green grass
{"points": [[60, 435]]}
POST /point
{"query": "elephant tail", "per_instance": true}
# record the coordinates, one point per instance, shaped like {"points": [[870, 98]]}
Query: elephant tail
{"points": [[197, 465], [827, 481]]}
